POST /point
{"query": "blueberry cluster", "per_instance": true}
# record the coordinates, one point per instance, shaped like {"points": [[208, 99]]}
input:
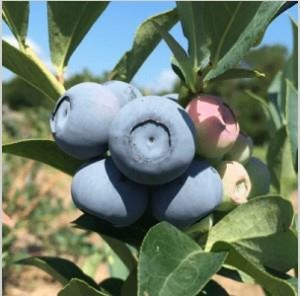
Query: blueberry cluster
{"points": [[158, 154]]}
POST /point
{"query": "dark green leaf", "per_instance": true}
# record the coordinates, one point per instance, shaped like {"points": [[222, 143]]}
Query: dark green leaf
{"points": [[28, 66], [45, 151], [279, 161], [146, 39], [292, 117], [130, 286], [122, 251], [132, 234], [275, 286], [172, 264], [68, 23], [194, 30], [284, 7], [60, 269], [212, 288], [15, 14], [78, 287], [233, 29], [258, 217], [113, 286], [278, 251]]}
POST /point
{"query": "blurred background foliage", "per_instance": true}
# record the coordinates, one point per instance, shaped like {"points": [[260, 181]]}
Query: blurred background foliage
{"points": [[39, 201]]}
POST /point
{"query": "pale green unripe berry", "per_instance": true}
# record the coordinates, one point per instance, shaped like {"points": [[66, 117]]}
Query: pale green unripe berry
{"points": [[241, 150], [236, 184]]}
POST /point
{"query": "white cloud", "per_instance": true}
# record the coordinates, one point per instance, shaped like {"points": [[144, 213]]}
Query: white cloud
{"points": [[12, 41], [164, 81]]}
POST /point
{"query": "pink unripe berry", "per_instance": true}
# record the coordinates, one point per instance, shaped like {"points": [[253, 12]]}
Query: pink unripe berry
{"points": [[241, 151], [236, 184], [216, 125]]}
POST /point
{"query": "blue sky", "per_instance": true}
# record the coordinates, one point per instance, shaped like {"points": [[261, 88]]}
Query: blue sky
{"points": [[113, 34]]}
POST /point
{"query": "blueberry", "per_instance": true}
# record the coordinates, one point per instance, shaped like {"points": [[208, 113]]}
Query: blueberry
{"points": [[236, 184], [81, 120], [172, 96], [216, 125], [241, 150], [188, 198], [152, 140], [125, 92], [100, 189], [259, 175]]}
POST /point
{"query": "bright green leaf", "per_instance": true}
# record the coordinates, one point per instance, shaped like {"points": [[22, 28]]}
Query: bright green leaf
{"points": [[258, 217], [292, 118], [194, 30], [236, 258], [279, 160], [146, 39], [45, 151], [77, 287], [30, 68], [172, 264], [60, 269], [234, 28], [15, 14], [68, 23]]}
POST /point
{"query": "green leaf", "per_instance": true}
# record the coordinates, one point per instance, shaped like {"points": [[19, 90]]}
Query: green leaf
{"points": [[294, 57], [68, 23], [132, 234], [280, 162], [237, 73], [78, 287], [30, 68], [146, 39], [122, 251], [60, 269], [233, 29], [45, 151], [272, 123], [258, 217], [194, 30], [181, 59], [276, 100], [292, 118], [278, 251], [15, 14], [212, 288], [171, 263], [275, 286], [113, 286]]}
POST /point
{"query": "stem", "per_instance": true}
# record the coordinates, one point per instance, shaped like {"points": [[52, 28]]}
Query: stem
{"points": [[58, 87]]}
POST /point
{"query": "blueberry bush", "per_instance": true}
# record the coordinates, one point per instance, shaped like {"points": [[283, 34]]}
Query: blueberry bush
{"points": [[169, 182]]}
